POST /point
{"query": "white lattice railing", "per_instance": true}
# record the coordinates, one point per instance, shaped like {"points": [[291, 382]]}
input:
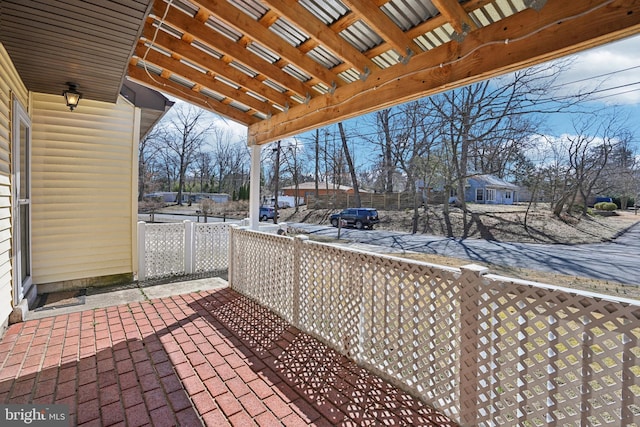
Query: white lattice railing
{"points": [[485, 350], [175, 249]]}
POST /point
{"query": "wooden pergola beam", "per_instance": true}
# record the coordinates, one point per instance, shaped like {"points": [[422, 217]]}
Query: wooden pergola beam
{"points": [[215, 66], [189, 26], [455, 15], [381, 24], [323, 35], [204, 80], [243, 23], [163, 84]]}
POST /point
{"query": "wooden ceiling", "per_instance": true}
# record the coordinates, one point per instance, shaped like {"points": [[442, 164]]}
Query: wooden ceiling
{"points": [[283, 67]]}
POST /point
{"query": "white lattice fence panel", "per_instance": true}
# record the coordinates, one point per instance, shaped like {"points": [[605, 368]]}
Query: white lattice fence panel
{"points": [[486, 351], [409, 327], [397, 317], [263, 269], [211, 247], [545, 356], [164, 250], [331, 294]]}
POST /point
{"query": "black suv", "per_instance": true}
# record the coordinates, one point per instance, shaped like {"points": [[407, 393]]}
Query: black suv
{"points": [[358, 217]]}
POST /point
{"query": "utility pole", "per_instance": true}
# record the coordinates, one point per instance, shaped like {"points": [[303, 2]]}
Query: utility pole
{"points": [[276, 178]]}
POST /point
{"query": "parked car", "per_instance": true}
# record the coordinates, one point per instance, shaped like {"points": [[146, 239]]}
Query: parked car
{"points": [[357, 217], [267, 213]]}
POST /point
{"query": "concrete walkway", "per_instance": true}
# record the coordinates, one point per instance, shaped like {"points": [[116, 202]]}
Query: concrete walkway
{"points": [[211, 358], [617, 261]]}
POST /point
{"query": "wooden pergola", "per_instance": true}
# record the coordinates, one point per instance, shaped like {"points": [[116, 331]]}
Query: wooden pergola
{"points": [[283, 67]]}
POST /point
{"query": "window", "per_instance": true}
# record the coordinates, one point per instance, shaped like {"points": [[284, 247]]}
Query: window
{"points": [[507, 194], [491, 195], [479, 194]]}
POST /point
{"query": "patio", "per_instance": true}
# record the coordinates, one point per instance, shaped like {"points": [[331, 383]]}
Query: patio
{"points": [[212, 357]]}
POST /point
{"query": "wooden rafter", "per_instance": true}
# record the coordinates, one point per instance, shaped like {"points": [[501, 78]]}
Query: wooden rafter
{"points": [[163, 84], [455, 15], [215, 66], [323, 35], [243, 23], [381, 24], [530, 38], [200, 78], [216, 41]]}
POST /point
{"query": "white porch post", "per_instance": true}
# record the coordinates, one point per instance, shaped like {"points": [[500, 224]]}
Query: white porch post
{"points": [[254, 187]]}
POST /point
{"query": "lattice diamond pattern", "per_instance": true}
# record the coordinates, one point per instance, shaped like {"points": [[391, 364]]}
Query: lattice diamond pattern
{"points": [[547, 356], [331, 283], [211, 247], [263, 269], [164, 250], [482, 349]]}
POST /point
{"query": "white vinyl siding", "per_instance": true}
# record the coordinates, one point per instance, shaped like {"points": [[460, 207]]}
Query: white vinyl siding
{"points": [[82, 172], [10, 84]]}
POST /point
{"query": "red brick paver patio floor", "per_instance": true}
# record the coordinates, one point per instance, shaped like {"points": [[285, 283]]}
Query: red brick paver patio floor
{"points": [[210, 358]]}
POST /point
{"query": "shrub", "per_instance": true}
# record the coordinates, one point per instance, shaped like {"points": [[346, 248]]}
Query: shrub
{"points": [[606, 206], [576, 209], [207, 206]]}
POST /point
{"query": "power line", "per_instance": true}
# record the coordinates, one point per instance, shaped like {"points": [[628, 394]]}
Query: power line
{"points": [[610, 73]]}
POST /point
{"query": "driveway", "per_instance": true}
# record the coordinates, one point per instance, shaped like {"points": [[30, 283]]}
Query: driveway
{"points": [[617, 261]]}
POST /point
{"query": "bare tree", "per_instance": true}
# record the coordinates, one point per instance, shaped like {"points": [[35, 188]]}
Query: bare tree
{"points": [[291, 153], [587, 153], [385, 121], [487, 125], [187, 132], [352, 170], [222, 155], [148, 150], [621, 173], [169, 166], [204, 169]]}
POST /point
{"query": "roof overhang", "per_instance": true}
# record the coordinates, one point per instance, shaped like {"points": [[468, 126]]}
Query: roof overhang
{"points": [[87, 42], [153, 105]]}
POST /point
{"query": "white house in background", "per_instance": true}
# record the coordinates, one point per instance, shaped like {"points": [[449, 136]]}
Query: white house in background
{"points": [[489, 189]]}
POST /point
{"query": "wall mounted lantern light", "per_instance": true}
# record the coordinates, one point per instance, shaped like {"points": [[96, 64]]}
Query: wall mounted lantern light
{"points": [[72, 96]]}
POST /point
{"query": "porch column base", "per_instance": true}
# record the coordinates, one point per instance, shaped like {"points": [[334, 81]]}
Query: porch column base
{"points": [[19, 313]]}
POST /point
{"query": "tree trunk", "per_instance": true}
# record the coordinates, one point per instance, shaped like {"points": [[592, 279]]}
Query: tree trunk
{"points": [[352, 170], [181, 181]]}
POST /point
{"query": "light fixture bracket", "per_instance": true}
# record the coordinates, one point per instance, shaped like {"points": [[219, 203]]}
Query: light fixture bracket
{"points": [[535, 4]]}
